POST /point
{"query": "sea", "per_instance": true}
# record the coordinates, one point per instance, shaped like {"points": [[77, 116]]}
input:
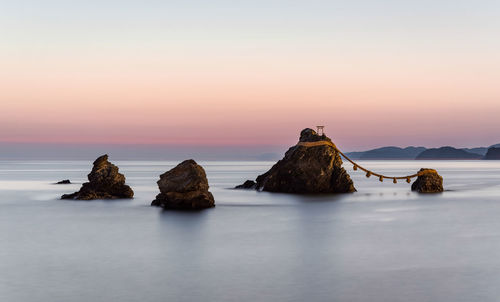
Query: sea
{"points": [[383, 243]]}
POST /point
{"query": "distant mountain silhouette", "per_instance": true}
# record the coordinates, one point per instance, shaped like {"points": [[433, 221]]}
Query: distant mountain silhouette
{"points": [[393, 152], [388, 153], [447, 153], [479, 150], [493, 153]]}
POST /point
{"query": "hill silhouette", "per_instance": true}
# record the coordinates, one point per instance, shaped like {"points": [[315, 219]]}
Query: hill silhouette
{"points": [[493, 153], [447, 153], [390, 152], [393, 152]]}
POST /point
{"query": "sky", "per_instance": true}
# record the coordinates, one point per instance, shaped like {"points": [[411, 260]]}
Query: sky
{"points": [[250, 73]]}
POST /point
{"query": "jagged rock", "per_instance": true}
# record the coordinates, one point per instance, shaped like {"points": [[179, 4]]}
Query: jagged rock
{"points": [[493, 153], [104, 183], [184, 187], [249, 184], [63, 182], [307, 169], [428, 182]]}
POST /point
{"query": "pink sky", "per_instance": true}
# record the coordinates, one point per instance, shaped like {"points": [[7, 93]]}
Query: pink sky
{"points": [[211, 86], [253, 104]]}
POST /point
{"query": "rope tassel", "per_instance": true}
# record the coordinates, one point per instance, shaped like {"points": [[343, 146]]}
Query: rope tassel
{"points": [[395, 180], [408, 180], [381, 178], [355, 167], [368, 174]]}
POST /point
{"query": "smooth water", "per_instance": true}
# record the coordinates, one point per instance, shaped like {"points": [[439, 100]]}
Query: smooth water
{"points": [[383, 243]]}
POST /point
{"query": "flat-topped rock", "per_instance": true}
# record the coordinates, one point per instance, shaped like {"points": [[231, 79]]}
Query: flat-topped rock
{"points": [[184, 187], [105, 182], [429, 181], [307, 169]]}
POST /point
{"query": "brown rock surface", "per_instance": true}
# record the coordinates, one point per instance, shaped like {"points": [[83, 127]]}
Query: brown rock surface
{"points": [[184, 187], [428, 182], [306, 169], [105, 182]]}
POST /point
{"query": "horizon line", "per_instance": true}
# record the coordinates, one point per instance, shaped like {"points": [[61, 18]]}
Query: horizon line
{"points": [[192, 144]]}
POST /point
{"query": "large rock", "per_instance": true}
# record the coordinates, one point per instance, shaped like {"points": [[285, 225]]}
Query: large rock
{"points": [[493, 153], [429, 181], [105, 182], [316, 168], [184, 187]]}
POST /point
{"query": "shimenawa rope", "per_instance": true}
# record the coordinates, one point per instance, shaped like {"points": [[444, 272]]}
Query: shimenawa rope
{"points": [[357, 166]]}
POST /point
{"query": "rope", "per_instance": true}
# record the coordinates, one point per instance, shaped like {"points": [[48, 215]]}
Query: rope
{"points": [[357, 166]]}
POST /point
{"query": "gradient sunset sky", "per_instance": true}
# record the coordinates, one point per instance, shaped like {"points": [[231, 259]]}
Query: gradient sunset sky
{"points": [[255, 72]]}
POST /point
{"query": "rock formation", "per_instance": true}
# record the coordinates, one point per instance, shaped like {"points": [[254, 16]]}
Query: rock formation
{"points": [[307, 169], [249, 184], [184, 187], [63, 182], [104, 183], [428, 182], [493, 153]]}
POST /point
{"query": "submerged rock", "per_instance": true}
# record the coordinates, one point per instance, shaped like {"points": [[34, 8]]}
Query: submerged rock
{"points": [[249, 184], [313, 168], [63, 182], [428, 182], [184, 187], [105, 182]]}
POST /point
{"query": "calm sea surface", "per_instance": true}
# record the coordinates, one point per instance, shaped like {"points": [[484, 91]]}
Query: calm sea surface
{"points": [[383, 243]]}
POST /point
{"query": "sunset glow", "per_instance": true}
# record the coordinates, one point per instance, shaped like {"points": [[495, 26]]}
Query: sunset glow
{"points": [[240, 74]]}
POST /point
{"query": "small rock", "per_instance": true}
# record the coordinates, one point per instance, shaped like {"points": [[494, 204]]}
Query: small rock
{"points": [[249, 184], [63, 182], [428, 182], [184, 187], [105, 182]]}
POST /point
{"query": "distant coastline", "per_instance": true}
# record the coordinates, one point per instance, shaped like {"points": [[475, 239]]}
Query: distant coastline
{"points": [[59, 151], [422, 153]]}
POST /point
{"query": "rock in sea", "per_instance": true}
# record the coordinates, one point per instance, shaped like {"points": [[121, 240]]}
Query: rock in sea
{"points": [[249, 184], [184, 187], [428, 182], [63, 182], [307, 169], [105, 182]]}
